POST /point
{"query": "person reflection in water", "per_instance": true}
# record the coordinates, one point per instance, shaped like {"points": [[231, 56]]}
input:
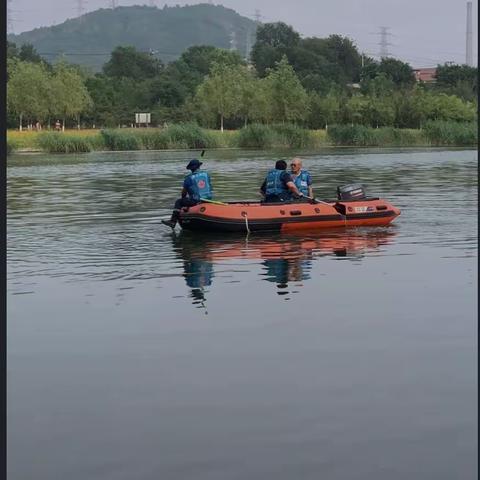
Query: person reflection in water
{"points": [[198, 274], [282, 271], [286, 261]]}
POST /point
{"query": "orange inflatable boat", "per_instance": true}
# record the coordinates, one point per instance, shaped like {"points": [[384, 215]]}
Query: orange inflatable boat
{"points": [[287, 216]]}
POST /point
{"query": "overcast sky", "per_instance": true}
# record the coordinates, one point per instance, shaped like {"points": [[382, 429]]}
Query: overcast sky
{"points": [[423, 32]]}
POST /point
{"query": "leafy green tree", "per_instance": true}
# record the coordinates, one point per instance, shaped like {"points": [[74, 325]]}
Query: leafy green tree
{"points": [[324, 110], [378, 86], [288, 98], [273, 41], [340, 52], [450, 107], [195, 64], [254, 103], [399, 72], [355, 111], [27, 53], [460, 80], [379, 111], [12, 50], [70, 96], [128, 62], [28, 93], [221, 92]]}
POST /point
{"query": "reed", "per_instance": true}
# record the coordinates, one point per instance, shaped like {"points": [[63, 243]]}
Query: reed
{"points": [[292, 136], [120, 140], [256, 135], [451, 133], [62, 143], [12, 145], [362, 136]]}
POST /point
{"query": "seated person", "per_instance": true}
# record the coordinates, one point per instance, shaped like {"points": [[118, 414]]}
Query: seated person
{"points": [[301, 178], [196, 186], [278, 186]]}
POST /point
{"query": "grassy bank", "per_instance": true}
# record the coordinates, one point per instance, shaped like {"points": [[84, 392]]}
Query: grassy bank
{"points": [[191, 136]]}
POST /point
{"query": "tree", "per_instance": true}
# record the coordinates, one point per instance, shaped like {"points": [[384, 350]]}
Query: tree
{"points": [[28, 93], [273, 41], [460, 80], [399, 72], [196, 63], [221, 93], [355, 109], [450, 107], [378, 86], [340, 52], [379, 111], [70, 97], [253, 97], [128, 62], [27, 53], [288, 99], [324, 110]]}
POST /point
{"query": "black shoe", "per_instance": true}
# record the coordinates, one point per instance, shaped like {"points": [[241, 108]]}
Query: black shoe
{"points": [[169, 223]]}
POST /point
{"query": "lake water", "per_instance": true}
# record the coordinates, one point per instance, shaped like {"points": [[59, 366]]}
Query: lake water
{"points": [[135, 353]]}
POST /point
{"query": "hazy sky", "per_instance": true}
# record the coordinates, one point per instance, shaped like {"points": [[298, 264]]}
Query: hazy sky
{"points": [[423, 32]]}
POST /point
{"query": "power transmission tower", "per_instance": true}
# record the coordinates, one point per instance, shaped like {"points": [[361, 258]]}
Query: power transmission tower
{"points": [[152, 3], [247, 45], [468, 52], [113, 3], [81, 7], [10, 19], [384, 34], [233, 40], [257, 16]]}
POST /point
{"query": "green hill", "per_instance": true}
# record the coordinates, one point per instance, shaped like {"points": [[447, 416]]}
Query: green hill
{"points": [[167, 32]]}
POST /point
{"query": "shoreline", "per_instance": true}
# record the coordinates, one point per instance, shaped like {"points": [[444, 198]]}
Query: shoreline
{"points": [[184, 137], [32, 151]]}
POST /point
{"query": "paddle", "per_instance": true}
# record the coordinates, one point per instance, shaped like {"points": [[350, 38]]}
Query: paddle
{"points": [[212, 201], [317, 201]]}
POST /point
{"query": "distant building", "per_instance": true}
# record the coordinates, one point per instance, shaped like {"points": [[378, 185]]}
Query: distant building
{"points": [[427, 75]]}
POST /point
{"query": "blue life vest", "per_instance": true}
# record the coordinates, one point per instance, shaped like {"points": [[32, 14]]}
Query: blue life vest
{"points": [[274, 185], [301, 181], [199, 186]]}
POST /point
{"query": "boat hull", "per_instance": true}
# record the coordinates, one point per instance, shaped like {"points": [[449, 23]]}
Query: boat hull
{"points": [[285, 217]]}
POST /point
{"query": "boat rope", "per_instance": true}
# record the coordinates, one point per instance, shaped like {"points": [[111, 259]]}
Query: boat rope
{"points": [[246, 221]]}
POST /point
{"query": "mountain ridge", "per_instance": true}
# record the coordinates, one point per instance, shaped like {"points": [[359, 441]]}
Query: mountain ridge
{"points": [[165, 32]]}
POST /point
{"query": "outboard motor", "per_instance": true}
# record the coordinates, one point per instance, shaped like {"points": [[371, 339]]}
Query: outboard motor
{"points": [[354, 191]]}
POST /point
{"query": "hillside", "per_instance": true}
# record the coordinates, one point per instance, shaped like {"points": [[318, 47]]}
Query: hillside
{"points": [[168, 31]]}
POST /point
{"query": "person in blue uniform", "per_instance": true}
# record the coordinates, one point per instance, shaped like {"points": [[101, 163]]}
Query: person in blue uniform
{"points": [[196, 186], [301, 178], [278, 185]]}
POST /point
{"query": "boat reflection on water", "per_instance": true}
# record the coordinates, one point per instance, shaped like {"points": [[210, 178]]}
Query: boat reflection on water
{"points": [[285, 259]]}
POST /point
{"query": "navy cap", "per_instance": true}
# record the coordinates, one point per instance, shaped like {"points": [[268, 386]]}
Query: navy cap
{"points": [[194, 164]]}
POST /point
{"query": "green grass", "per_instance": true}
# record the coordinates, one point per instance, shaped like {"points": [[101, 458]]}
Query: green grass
{"points": [[256, 135], [54, 142], [451, 133], [191, 136], [362, 136], [12, 145]]}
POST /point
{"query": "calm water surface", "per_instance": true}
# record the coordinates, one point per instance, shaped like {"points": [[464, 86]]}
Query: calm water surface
{"points": [[135, 353]]}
